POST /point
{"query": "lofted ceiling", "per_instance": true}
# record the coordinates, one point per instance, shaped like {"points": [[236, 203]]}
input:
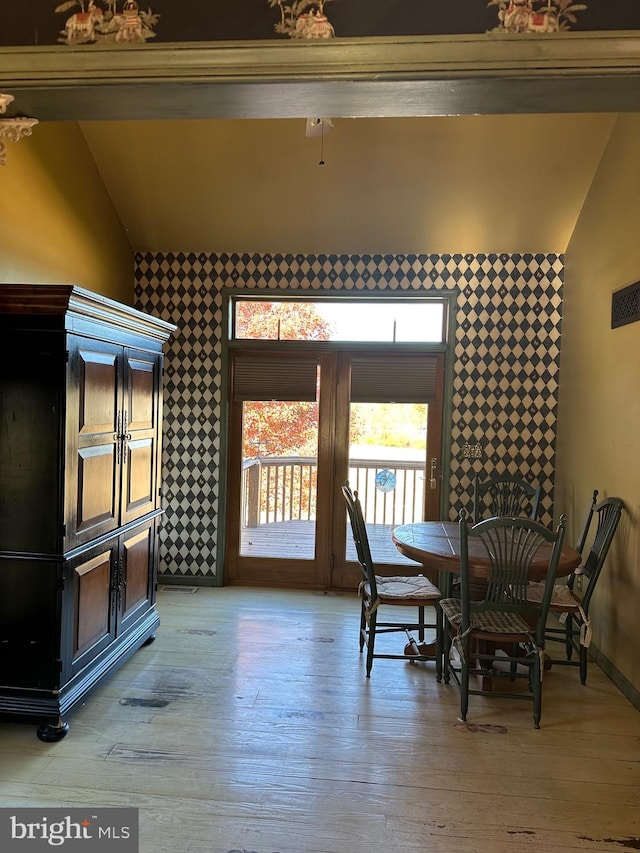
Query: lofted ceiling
{"points": [[442, 184], [440, 144]]}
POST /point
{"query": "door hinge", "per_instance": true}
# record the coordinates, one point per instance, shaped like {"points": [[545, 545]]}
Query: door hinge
{"points": [[62, 581], [58, 663]]}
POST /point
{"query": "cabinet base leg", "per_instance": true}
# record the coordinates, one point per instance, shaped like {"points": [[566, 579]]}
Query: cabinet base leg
{"points": [[52, 732], [149, 640]]}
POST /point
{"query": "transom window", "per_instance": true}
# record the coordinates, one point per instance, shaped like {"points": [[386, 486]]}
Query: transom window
{"points": [[339, 320]]}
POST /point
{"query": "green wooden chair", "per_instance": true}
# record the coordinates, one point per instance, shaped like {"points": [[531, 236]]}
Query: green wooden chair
{"points": [[504, 494], [378, 592], [493, 612], [570, 601]]}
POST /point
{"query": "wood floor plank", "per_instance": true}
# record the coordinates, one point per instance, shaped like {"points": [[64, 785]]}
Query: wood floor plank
{"points": [[249, 725], [318, 828], [290, 778]]}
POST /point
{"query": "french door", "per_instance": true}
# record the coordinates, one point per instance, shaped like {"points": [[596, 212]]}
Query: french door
{"points": [[300, 425]]}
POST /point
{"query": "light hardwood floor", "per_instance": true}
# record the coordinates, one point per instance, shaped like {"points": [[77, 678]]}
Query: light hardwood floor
{"points": [[249, 726]]}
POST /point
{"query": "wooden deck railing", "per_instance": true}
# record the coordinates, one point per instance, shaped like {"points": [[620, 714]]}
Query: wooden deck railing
{"points": [[284, 489]]}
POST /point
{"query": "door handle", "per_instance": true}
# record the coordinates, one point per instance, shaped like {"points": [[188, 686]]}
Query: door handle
{"points": [[433, 484]]}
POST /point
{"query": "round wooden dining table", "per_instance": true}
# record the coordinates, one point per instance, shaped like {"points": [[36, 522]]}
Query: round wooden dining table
{"points": [[436, 544]]}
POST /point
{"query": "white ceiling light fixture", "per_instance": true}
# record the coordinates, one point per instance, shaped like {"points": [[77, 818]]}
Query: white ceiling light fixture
{"points": [[319, 127], [12, 129]]}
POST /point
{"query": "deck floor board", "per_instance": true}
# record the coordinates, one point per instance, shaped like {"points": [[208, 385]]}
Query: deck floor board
{"points": [[295, 540]]}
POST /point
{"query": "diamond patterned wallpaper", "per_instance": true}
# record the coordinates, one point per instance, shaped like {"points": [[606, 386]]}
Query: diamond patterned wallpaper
{"points": [[505, 383]]}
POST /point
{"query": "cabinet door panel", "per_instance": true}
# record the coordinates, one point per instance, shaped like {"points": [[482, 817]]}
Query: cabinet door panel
{"points": [[138, 573], [97, 478], [141, 397], [140, 457], [139, 473], [93, 622], [98, 392], [94, 413]]}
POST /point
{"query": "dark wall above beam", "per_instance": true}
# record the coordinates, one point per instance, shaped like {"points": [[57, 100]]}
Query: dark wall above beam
{"points": [[38, 22]]}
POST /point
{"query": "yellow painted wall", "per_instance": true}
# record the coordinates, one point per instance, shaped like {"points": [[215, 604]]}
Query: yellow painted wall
{"points": [[599, 404], [57, 222]]}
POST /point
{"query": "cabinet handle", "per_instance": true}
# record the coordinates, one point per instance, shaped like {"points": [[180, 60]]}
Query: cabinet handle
{"points": [[114, 586], [118, 438], [126, 436], [121, 582]]}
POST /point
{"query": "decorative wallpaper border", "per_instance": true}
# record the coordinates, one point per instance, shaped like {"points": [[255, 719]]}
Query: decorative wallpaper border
{"points": [[124, 24], [505, 382]]}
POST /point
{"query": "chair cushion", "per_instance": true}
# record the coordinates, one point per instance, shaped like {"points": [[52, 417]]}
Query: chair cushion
{"points": [[406, 587], [489, 621], [562, 598]]}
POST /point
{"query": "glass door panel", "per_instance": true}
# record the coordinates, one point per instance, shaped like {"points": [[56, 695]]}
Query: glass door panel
{"points": [[387, 457], [279, 479]]}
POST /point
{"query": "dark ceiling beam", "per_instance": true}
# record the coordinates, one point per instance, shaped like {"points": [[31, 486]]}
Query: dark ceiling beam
{"points": [[439, 75]]}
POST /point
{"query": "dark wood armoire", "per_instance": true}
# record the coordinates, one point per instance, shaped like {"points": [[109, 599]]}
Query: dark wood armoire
{"points": [[80, 444]]}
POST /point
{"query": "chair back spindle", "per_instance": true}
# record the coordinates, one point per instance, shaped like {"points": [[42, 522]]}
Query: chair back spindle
{"points": [[505, 495]]}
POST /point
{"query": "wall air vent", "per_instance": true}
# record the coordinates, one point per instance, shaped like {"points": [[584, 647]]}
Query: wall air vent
{"points": [[625, 305]]}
